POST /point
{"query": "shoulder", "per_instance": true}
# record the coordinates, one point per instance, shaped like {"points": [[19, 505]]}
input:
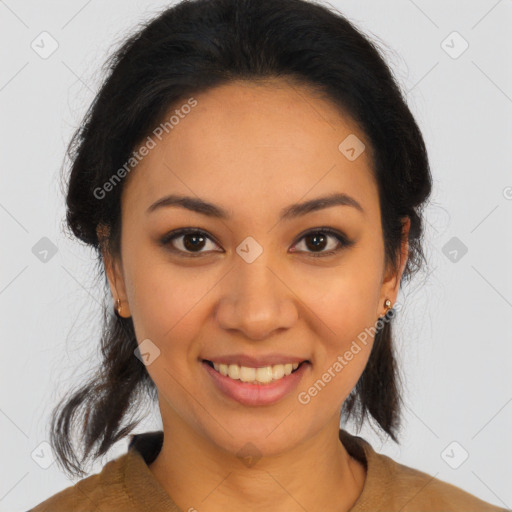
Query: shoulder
{"points": [[431, 493], [409, 489], [101, 491]]}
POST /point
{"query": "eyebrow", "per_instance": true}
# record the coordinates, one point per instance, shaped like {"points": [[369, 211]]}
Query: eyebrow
{"points": [[292, 211]]}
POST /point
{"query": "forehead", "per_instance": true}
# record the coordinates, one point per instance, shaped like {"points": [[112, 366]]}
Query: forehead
{"points": [[268, 143]]}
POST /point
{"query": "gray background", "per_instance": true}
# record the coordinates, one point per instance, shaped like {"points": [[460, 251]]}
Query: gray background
{"points": [[454, 332]]}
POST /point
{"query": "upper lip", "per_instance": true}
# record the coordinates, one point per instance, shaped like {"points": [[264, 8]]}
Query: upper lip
{"points": [[256, 361]]}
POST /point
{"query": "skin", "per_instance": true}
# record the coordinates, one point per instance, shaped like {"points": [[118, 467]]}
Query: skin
{"points": [[253, 149]]}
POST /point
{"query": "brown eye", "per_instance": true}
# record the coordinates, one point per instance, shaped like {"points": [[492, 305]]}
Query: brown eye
{"points": [[189, 241], [318, 240], [193, 242]]}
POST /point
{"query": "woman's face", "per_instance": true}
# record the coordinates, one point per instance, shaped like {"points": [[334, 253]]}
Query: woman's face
{"points": [[258, 281]]}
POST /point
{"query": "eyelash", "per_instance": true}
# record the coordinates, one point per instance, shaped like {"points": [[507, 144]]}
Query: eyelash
{"points": [[169, 237]]}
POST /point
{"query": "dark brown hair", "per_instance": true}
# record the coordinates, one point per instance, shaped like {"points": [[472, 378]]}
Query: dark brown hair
{"points": [[191, 47]]}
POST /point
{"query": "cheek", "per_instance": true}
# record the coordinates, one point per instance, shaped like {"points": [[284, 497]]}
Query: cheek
{"points": [[166, 303], [347, 301], [342, 351], [347, 310], [350, 312]]}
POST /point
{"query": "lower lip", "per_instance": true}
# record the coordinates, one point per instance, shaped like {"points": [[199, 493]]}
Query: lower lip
{"points": [[256, 394]]}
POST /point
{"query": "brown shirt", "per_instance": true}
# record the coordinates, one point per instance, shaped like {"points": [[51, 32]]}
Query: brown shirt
{"points": [[127, 485]]}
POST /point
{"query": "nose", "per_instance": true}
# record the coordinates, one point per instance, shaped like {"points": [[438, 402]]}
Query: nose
{"points": [[256, 300]]}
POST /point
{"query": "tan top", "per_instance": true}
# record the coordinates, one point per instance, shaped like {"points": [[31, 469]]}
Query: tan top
{"points": [[126, 484]]}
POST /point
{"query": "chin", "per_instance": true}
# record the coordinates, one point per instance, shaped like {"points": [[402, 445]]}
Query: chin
{"points": [[255, 438]]}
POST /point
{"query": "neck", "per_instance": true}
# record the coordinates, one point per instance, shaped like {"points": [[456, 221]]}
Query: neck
{"points": [[317, 474]]}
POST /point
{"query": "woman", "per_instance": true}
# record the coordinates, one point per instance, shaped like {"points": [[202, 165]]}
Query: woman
{"points": [[253, 182]]}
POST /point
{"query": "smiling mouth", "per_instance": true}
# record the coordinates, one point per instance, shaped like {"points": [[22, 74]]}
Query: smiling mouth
{"points": [[262, 375]]}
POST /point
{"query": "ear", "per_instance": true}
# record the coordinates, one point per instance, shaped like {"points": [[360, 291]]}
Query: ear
{"points": [[113, 271], [391, 282]]}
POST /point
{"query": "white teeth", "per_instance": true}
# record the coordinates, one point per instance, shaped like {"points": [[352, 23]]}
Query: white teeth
{"points": [[262, 375], [233, 371]]}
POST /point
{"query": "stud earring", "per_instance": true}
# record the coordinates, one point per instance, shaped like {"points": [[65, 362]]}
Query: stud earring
{"points": [[117, 309], [387, 304]]}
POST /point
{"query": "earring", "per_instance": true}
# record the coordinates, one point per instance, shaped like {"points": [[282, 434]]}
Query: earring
{"points": [[387, 304], [117, 309]]}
